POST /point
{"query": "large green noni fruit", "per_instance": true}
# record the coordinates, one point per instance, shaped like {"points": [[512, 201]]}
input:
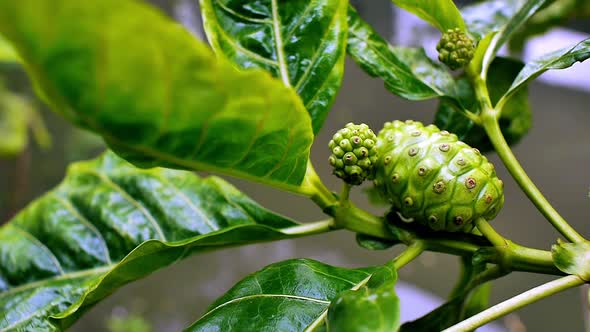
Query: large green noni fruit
{"points": [[431, 177]]}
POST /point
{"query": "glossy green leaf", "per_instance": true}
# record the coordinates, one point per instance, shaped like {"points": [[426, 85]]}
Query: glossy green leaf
{"points": [[292, 295], [301, 42], [442, 14], [14, 119], [407, 72], [559, 59], [528, 9], [572, 258], [485, 17], [109, 223], [372, 307], [161, 99], [515, 120], [7, 52]]}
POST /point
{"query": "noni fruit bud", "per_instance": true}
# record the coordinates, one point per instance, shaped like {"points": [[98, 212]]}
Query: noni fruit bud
{"points": [[353, 153], [431, 177], [455, 49]]}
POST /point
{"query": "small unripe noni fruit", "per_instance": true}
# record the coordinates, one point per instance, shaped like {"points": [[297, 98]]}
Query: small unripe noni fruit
{"points": [[455, 49], [354, 153], [431, 177]]}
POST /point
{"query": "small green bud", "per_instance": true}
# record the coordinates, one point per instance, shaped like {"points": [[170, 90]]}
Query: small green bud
{"points": [[455, 49], [354, 153]]}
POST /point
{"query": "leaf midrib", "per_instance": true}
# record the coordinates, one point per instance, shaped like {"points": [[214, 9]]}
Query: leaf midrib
{"points": [[276, 25], [61, 277]]}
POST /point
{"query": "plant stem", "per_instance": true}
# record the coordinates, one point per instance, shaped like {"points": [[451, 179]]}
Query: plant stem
{"points": [[516, 302], [412, 252], [345, 193], [514, 257], [490, 233], [531, 260], [316, 227], [492, 128], [360, 221], [316, 189]]}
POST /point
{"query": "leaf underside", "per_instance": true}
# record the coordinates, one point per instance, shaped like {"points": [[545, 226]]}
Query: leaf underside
{"points": [[109, 223], [158, 96]]}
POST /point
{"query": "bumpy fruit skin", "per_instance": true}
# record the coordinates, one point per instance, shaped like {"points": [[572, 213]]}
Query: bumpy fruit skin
{"points": [[455, 49], [431, 177], [354, 153]]}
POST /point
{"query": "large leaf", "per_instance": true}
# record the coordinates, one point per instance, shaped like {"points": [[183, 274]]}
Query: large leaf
{"points": [[516, 117], [373, 307], [407, 72], [560, 59], [302, 42], [157, 95], [292, 295], [443, 14], [517, 20], [110, 223], [489, 16]]}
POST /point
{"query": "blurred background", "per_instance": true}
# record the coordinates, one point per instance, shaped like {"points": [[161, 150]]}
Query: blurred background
{"points": [[556, 155]]}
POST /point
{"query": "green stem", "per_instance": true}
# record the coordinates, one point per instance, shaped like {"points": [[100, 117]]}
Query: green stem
{"points": [[360, 221], [311, 228], [515, 257], [516, 302], [412, 251], [492, 128], [489, 274], [531, 260], [345, 193], [316, 189], [490, 233]]}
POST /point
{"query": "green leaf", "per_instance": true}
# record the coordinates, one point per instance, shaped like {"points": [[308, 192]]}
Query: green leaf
{"points": [[302, 42], [109, 223], [373, 306], [442, 14], [528, 9], [14, 119], [158, 96], [572, 258], [407, 72], [7, 52], [288, 296], [560, 59], [485, 17], [516, 117]]}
